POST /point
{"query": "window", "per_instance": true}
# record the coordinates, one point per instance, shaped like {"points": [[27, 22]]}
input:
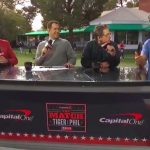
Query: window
{"points": [[129, 37], [132, 37]]}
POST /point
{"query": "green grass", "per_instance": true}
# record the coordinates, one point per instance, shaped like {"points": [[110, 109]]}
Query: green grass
{"points": [[128, 61], [25, 56]]}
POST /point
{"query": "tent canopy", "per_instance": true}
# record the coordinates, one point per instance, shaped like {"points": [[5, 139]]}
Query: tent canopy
{"points": [[112, 27], [121, 27], [78, 30], [37, 33]]}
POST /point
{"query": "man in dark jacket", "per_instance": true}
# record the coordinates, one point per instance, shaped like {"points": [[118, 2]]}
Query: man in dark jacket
{"points": [[101, 53]]}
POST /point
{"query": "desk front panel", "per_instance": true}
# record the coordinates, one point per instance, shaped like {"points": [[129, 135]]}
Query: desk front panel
{"points": [[120, 118]]}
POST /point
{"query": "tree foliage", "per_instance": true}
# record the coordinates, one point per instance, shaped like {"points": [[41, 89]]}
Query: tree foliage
{"points": [[133, 3], [70, 13], [111, 4], [10, 4], [29, 12], [12, 22]]}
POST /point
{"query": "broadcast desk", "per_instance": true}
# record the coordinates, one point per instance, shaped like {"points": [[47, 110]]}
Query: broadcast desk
{"points": [[78, 106]]}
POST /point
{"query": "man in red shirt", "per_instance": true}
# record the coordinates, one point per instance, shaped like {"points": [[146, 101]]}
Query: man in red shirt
{"points": [[7, 56]]}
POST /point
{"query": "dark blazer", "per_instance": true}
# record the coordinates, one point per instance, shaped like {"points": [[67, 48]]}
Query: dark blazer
{"points": [[93, 53]]}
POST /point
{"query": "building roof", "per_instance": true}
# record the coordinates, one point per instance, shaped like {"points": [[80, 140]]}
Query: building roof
{"points": [[123, 15]]}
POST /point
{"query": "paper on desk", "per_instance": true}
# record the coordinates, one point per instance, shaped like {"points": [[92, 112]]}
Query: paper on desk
{"points": [[38, 68], [42, 68]]}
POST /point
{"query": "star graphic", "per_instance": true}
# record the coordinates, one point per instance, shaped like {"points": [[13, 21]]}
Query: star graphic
{"points": [[10, 134], [117, 139], [2, 133], [33, 135], [126, 139], [74, 137], [18, 134], [91, 138], [83, 137], [109, 139], [58, 136], [135, 139], [41, 135], [144, 140], [66, 136], [26, 135], [100, 138], [49, 136]]}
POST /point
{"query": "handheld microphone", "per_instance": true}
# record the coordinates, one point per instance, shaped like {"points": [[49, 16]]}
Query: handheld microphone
{"points": [[105, 47], [48, 46]]}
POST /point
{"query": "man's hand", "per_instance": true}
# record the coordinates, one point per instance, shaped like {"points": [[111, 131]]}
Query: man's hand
{"points": [[111, 50], [68, 65], [140, 59], [141, 74], [3, 60], [44, 51]]}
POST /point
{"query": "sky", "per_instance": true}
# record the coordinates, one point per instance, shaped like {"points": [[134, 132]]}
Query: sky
{"points": [[37, 22]]}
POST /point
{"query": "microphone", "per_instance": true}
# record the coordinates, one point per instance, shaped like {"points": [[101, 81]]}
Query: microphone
{"points": [[105, 47], [48, 46]]}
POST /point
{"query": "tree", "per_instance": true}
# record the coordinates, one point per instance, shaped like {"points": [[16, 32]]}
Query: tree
{"points": [[10, 4], [111, 4], [129, 3], [133, 3], [29, 13], [70, 13], [12, 24]]}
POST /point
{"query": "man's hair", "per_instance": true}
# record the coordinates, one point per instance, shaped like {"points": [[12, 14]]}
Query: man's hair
{"points": [[99, 30], [49, 24]]}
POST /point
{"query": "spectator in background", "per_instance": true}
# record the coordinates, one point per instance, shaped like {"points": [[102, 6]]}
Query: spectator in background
{"points": [[7, 56], [20, 44], [55, 51], [101, 53], [74, 46], [122, 48], [30, 47]]}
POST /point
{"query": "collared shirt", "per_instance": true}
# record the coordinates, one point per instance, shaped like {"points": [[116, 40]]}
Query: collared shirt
{"points": [[52, 40]]}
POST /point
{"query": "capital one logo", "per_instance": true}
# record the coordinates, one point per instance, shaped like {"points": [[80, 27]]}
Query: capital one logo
{"points": [[127, 119], [17, 114]]}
